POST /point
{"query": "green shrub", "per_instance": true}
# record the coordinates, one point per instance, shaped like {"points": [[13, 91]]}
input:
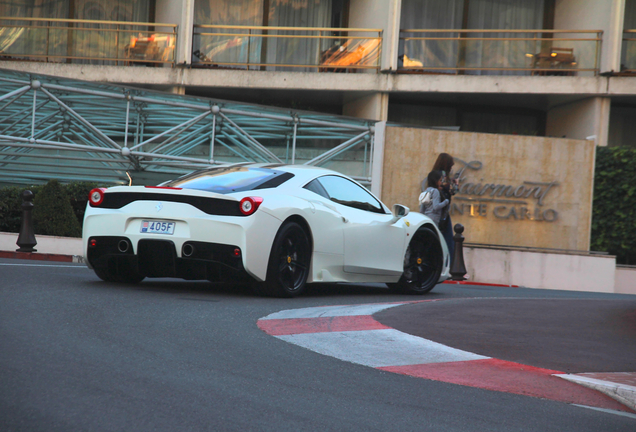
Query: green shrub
{"points": [[53, 213], [614, 208], [11, 207], [78, 195]]}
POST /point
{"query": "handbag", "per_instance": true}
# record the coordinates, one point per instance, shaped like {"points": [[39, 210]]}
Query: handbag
{"points": [[425, 198]]}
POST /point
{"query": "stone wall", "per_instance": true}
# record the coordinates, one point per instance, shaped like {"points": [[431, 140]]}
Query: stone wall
{"points": [[515, 190]]}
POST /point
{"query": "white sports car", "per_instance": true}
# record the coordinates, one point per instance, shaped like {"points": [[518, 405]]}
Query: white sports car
{"points": [[278, 226]]}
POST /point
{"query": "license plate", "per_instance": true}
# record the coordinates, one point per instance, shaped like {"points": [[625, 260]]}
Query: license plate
{"points": [[157, 227]]}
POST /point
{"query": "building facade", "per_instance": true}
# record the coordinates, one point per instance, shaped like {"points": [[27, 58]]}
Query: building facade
{"points": [[552, 68]]}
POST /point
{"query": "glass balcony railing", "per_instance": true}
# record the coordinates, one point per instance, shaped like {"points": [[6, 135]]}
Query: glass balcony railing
{"points": [[287, 48], [500, 52], [628, 52], [87, 41]]}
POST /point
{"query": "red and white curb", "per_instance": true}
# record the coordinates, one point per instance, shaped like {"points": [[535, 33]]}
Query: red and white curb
{"points": [[351, 334], [618, 385]]}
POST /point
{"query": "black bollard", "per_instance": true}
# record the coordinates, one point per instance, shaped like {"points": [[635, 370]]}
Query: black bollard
{"points": [[458, 268], [26, 239]]}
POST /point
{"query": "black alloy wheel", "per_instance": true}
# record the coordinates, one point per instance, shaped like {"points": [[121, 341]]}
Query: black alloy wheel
{"points": [[289, 261], [423, 264]]}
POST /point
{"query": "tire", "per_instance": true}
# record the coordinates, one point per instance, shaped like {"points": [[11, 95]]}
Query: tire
{"points": [[289, 261], [423, 262]]}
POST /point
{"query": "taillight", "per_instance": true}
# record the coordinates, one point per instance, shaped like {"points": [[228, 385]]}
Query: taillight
{"points": [[249, 205], [96, 196]]}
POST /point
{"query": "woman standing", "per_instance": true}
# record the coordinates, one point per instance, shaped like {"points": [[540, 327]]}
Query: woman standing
{"points": [[435, 208], [449, 186]]}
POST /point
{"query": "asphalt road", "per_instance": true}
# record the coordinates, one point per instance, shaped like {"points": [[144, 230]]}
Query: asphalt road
{"points": [[571, 335], [80, 354]]}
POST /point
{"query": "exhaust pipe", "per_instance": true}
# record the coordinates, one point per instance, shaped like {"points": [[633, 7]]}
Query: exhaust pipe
{"points": [[188, 250], [123, 246]]}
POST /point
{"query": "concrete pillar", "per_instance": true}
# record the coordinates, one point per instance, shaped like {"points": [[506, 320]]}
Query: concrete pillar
{"points": [[180, 12], [584, 119], [373, 106], [606, 15], [377, 169], [380, 14]]}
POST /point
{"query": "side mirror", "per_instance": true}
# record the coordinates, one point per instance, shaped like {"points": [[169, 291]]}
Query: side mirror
{"points": [[399, 211]]}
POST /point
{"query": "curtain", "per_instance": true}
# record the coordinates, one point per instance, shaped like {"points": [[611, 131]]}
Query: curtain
{"points": [[109, 44], [60, 39], [502, 14], [482, 14], [237, 48], [17, 39], [241, 48], [628, 52], [630, 15], [430, 14], [297, 13]]}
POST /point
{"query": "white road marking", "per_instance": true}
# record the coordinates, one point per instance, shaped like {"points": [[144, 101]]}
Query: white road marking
{"points": [[331, 311], [377, 348], [609, 411]]}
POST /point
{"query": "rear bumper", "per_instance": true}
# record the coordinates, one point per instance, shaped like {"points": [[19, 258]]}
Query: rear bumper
{"points": [[158, 258], [253, 235]]}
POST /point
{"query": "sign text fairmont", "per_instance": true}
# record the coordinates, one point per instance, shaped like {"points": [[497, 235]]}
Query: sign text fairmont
{"points": [[516, 202]]}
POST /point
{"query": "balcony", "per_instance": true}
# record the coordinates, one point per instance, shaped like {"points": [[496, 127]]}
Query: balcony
{"points": [[500, 52], [628, 52], [287, 48], [87, 41]]}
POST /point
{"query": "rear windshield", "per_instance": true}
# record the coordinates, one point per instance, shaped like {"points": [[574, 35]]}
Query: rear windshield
{"points": [[231, 179]]}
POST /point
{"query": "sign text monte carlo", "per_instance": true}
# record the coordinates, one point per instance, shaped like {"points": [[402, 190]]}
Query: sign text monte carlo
{"points": [[525, 200]]}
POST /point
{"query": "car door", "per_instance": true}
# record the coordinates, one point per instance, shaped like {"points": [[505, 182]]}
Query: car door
{"points": [[373, 244]]}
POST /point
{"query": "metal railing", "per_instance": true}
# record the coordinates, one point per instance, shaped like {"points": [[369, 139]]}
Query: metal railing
{"points": [[87, 41], [628, 52], [500, 52], [286, 48]]}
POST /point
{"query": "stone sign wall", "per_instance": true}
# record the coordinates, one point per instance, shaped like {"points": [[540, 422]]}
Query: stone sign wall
{"points": [[514, 190]]}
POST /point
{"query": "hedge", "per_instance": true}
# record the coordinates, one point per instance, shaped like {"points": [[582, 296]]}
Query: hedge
{"points": [[614, 207], [53, 213], [69, 201]]}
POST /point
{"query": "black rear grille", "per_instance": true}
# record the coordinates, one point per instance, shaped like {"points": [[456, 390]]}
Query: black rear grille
{"points": [[156, 258], [211, 206]]}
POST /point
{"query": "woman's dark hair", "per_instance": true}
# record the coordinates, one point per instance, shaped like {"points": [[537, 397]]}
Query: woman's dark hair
{"points": [[433, 178], [444, 162]]}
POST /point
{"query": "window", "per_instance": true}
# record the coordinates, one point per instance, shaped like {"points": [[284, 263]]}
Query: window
{"points": [[345, 192], [229, 180], [317, 188], [243, 47], [476, 50]]}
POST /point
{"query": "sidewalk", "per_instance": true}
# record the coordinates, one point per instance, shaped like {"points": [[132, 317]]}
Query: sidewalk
{"points": [[48, 248]]}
